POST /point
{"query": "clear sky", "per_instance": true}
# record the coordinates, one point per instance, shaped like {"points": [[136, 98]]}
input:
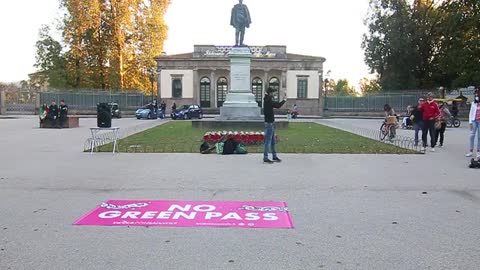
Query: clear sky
{"points": [[329, 28]]}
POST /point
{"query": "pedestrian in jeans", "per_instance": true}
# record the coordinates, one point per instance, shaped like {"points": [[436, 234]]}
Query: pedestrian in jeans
{"points": [[474, 120], [269, 104], [417, 119], [430, 112], [444, 115]]}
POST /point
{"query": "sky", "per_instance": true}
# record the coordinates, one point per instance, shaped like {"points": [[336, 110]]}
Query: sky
{"points": [[328, 28]]}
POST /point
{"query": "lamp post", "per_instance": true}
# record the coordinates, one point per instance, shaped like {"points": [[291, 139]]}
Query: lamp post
{"points": [[151, 75], [326, 81]]}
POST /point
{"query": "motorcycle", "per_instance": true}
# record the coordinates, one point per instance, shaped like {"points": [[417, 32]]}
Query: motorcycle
{"points": [[453, 122]]}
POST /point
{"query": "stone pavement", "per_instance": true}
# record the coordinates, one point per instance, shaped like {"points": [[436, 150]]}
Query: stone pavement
{"points": [[349, 211]]}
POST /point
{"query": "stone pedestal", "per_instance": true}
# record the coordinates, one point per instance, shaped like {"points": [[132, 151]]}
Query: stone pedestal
{"points": [[240, 102], [3, 109]]}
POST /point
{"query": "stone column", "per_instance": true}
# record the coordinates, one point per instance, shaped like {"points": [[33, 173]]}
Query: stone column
{"points": [[196, 87], [3, 109], [321, 95], [213, 89], [159, 83], [240, 103], [283, 86], [265, 84]]}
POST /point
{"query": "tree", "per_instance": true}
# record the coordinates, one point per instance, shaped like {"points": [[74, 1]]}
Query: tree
{"points": [[110, 44], [423, 43], [368, 86], [459, 46], [49, 58], [343, 89]]}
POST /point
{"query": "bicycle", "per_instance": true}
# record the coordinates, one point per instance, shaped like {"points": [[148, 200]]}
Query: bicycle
{"points": [[453, 122], [387, 130]]}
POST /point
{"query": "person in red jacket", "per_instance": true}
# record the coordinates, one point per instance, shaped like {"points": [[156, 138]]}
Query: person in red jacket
{"points": [[430, 112]]}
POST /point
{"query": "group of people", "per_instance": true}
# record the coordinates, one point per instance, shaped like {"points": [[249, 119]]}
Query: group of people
{"points": [[57, 115], [430, 118]]}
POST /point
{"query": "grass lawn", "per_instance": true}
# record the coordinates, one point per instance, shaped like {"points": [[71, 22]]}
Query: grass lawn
{"points": [[180, 137]]}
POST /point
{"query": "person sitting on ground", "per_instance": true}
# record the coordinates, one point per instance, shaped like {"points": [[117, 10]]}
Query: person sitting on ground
{"points": [[406, 120], [294, 112]]}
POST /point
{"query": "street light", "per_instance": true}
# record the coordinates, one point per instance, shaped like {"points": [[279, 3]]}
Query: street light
{"points": [[151, 75], [326, 81]]}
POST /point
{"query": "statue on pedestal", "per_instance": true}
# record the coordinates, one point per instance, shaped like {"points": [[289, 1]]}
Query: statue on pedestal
{"points": [[240, 20]]}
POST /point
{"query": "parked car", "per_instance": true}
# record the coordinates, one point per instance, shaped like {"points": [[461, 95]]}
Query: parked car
{"points": [[115, 110], [147, 112], [188, 112]]}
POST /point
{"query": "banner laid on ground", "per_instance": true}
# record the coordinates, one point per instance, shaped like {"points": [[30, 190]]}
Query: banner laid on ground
{"points": [[190, 214]]}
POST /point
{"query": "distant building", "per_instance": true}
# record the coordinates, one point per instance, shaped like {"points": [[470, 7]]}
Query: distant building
{"points": [[203, 77]]}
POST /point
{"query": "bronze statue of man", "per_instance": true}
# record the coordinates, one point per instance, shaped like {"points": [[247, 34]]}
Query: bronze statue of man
{"points": [[240, 20]]}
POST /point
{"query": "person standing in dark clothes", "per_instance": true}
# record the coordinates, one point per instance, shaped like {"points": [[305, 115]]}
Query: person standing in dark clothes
{"points": [[163, 108], [63, 113], [430, 112], [53, 114], [444, 116], [269, 104], [174, 107], [417, 118]]}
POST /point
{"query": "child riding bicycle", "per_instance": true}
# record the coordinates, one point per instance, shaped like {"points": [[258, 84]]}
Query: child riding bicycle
{"points": [[391, 120]]}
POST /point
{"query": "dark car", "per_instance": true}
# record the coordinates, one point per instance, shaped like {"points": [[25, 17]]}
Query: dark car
{"points": [[115, 110], [188, 112]]}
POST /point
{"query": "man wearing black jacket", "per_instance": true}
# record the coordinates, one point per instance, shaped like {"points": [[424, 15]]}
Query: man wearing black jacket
{"points": [[268, 105], [63, 113], [418, 120], [53, 114]]}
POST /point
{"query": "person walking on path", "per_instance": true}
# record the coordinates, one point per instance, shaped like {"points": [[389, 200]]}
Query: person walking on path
{"points": [[444, 115], [474, 120], [270, 142], [417, 119], [430, 112]]}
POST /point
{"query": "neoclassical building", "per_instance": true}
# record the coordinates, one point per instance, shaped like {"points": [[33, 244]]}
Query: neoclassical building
{"points": [[202, 77]]}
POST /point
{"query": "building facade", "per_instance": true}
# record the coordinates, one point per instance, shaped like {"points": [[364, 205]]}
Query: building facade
{"points": [[203, 77]]}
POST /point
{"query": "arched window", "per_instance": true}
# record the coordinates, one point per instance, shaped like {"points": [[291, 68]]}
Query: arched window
{"points": [[257, 90], [275, 84], [205, 87], [222, 90]]}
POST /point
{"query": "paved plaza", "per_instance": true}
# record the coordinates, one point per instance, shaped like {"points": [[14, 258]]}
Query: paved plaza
{"points": [[349, 211]]}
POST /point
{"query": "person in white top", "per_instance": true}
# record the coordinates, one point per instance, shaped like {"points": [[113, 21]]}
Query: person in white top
{"points": [[474, 120]]}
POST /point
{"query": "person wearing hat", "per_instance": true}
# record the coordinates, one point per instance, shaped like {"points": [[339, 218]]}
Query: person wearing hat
{"points": [[268, 105], [430, 112]]}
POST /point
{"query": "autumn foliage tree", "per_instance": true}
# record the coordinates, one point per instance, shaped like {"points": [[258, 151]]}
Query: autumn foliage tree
{"points": [[110, 44]]}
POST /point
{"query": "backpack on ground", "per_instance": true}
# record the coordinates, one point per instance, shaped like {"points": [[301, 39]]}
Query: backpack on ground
{"points": [[241, 149], [229, 147]]}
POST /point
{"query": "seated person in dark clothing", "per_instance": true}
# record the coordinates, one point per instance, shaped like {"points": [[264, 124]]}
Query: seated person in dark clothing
{"points": [[63, 113], [53, 114]]}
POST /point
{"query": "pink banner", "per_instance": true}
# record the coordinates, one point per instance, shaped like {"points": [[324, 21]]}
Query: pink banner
{"points": [[190, 214]]}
